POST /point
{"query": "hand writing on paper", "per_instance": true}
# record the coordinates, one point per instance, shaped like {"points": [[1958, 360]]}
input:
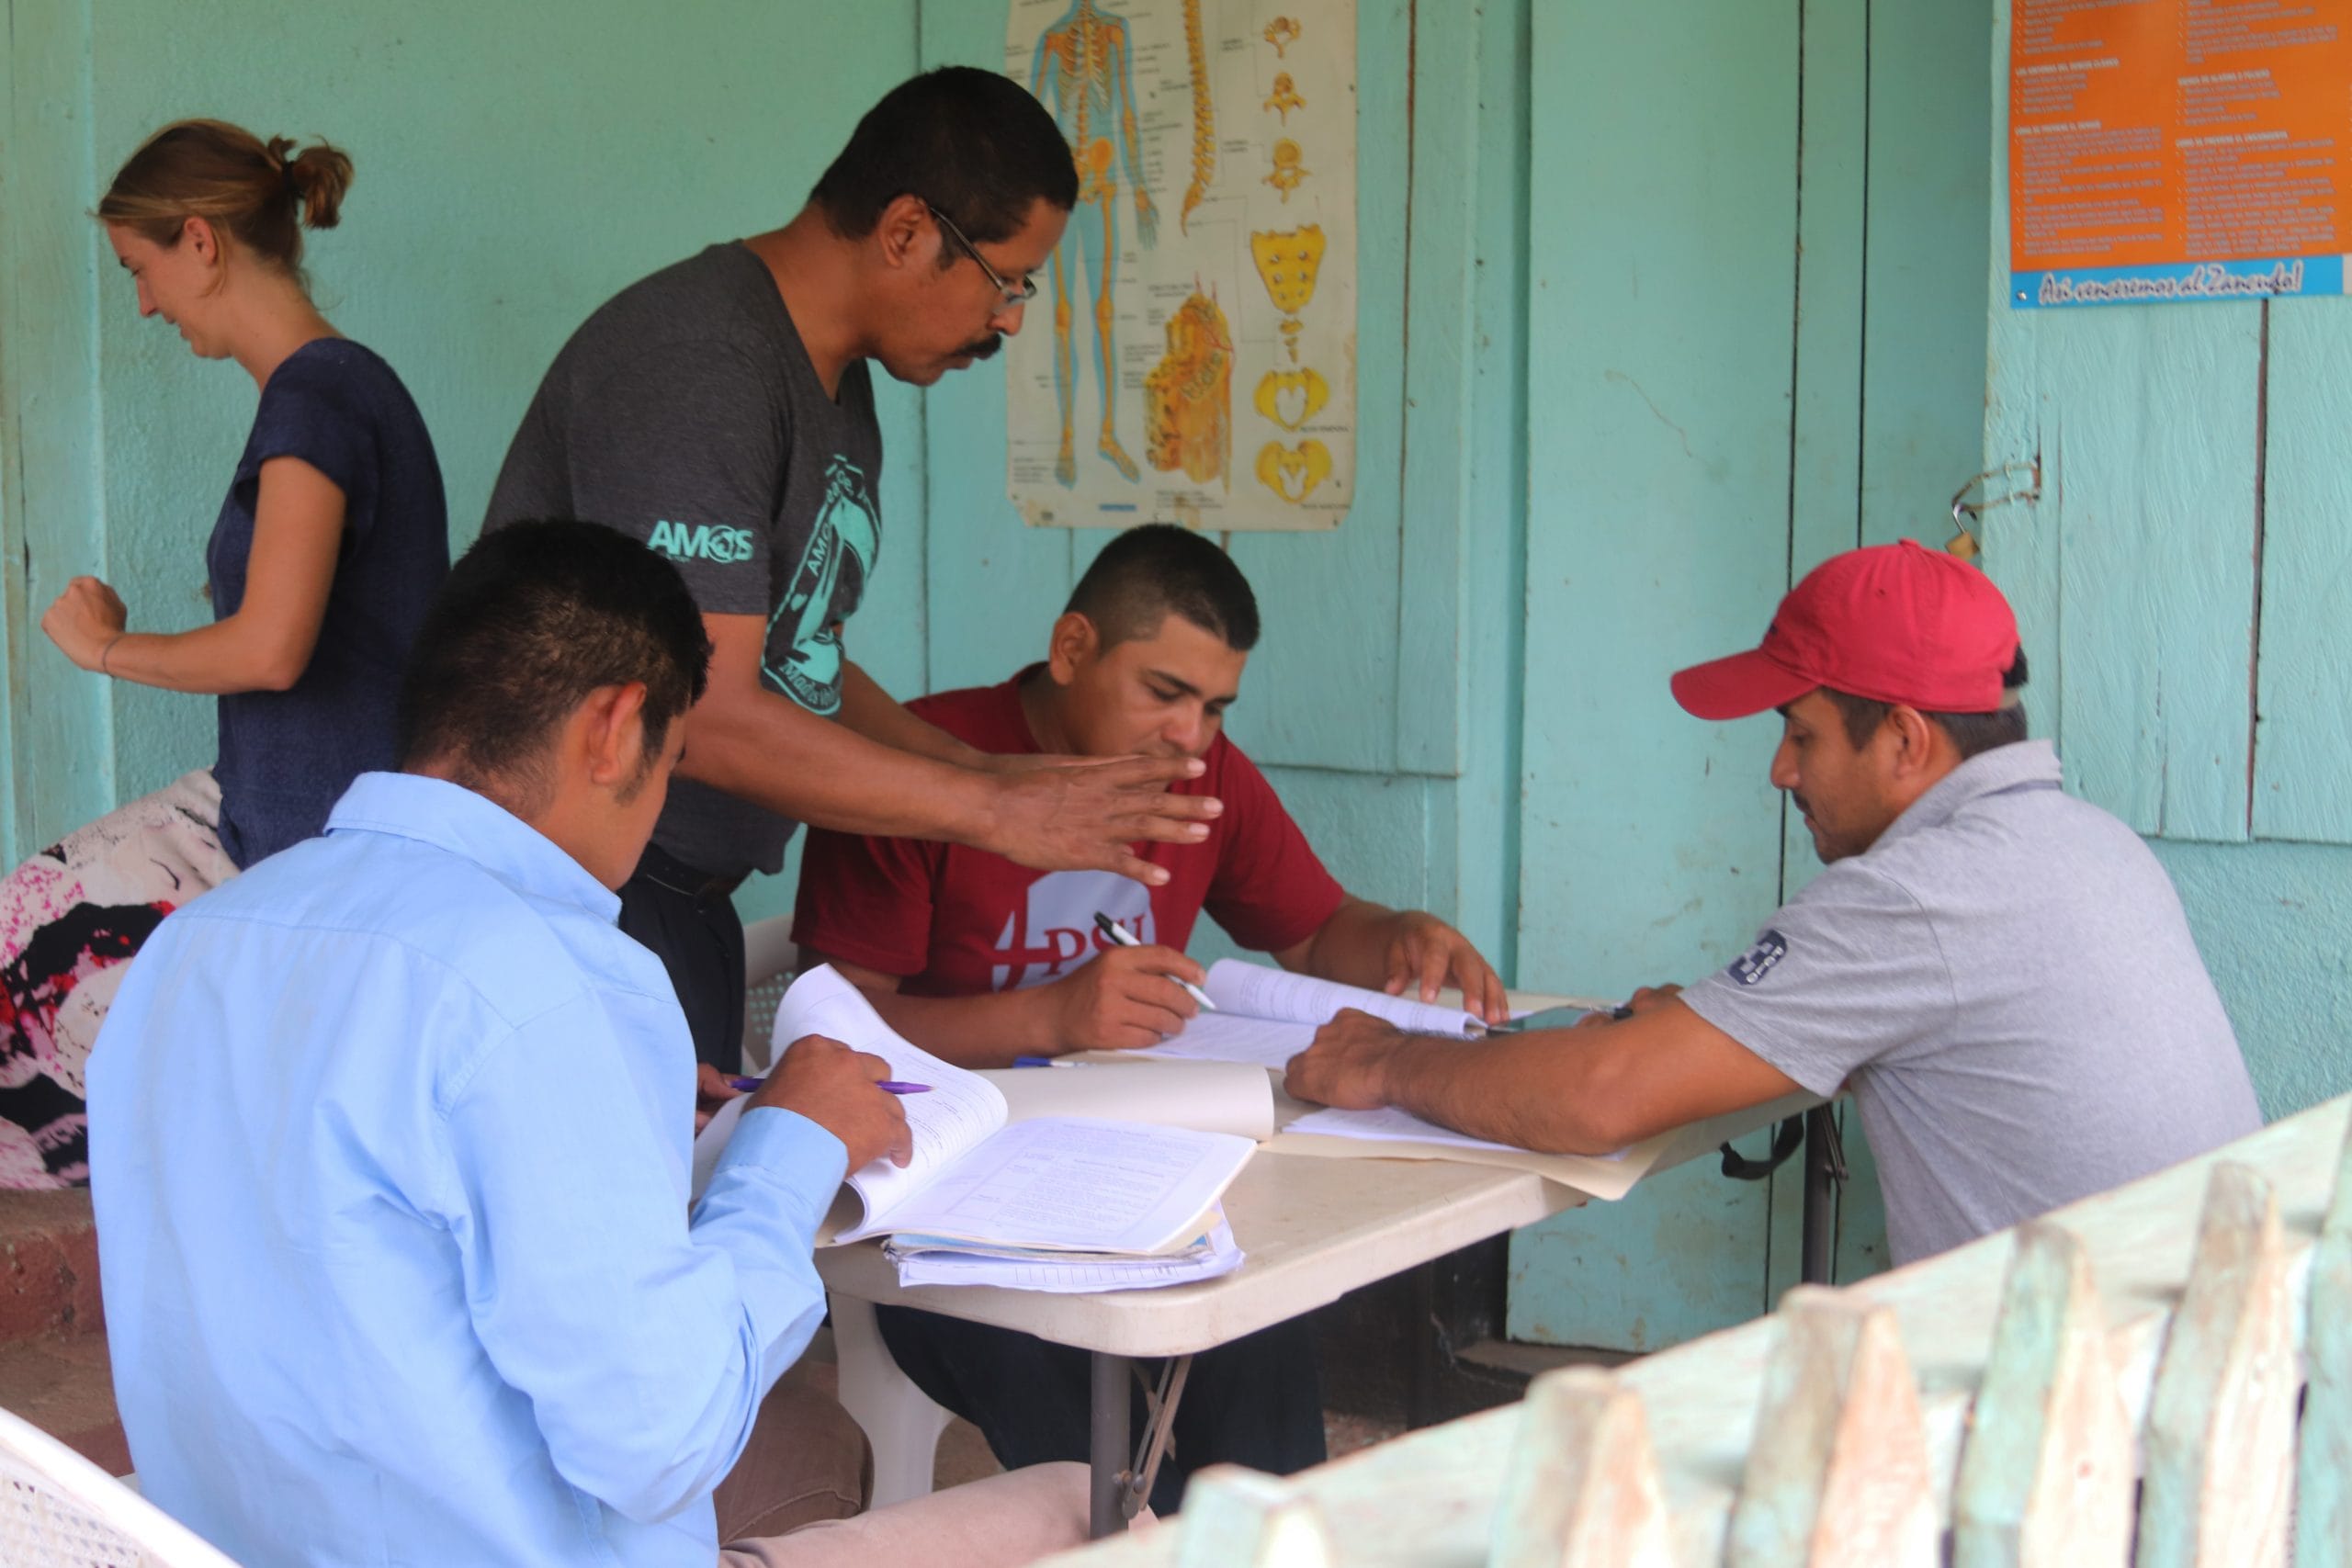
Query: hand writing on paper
{"points": [[1426, 953], [833, 1087], [1123, 999], [1347, 1064], [711, 1092], [1086, 816]]}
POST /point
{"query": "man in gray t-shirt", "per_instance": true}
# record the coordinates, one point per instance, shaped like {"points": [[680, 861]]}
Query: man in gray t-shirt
{"points": [[2001, 975], [687, 414], [722, 412]]}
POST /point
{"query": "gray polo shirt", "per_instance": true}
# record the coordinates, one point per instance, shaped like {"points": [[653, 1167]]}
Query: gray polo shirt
{"points": [[2006, 982]]}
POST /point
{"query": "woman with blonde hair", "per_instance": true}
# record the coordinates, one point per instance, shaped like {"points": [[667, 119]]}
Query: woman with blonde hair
{"points": [[329, 544]]}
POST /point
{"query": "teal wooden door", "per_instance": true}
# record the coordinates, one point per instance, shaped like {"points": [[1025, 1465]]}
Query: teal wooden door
{"points": [[1757, 241]]}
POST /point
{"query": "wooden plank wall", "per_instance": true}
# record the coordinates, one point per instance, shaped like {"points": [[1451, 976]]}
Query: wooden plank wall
{"points": [[1757, 340], [2183, 588], [59, 768], [2184, 564], [1373, 699], [557, 162]]}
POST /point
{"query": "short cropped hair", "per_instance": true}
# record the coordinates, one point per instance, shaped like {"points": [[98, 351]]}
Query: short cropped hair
{"points": [[971, 143], [1972, 734], [1149, 574], [532, 619]]}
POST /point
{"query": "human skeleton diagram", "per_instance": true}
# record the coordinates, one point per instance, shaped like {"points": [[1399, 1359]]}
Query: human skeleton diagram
{"points": [[1083, 75], [1223, 346]]}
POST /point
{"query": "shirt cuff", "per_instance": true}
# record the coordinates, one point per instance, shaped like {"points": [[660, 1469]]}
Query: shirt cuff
{"points": [[789, 1147]]}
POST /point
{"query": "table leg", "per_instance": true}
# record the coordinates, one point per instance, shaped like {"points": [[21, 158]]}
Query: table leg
{"points": [[1820, 1197], [1107, 1445]]}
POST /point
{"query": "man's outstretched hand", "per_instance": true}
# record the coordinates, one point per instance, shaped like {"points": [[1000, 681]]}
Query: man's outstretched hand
{"points": [[1425, 954], [1086, 815]]}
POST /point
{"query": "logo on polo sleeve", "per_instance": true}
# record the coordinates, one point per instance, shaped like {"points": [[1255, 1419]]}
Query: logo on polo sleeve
{"points": [[1755, 964]]}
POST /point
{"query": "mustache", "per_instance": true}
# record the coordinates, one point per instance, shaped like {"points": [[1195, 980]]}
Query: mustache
{"points": [[983, 348]]}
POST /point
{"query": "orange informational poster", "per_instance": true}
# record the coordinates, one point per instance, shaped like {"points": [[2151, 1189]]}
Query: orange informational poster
{"points": [[2167, 150]]}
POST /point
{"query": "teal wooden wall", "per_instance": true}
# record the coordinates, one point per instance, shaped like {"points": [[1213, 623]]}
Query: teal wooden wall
{"points": [[2184, 590], [1383, 696], [1756, 334], [514, 166], [1661, 305]]}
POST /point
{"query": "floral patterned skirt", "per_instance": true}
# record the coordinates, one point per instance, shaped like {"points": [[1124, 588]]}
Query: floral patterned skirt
{"points": [[71, 919]]}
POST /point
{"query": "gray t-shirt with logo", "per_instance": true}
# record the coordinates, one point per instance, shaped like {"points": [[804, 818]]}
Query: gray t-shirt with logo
{"points": [[2007, 983], [685, 413]]}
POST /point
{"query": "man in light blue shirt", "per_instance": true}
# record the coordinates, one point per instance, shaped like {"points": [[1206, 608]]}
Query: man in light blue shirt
{"points": [[390, 1139]]}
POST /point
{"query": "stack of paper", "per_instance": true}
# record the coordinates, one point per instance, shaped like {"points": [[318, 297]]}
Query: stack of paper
{"points": [[943, 1260]]}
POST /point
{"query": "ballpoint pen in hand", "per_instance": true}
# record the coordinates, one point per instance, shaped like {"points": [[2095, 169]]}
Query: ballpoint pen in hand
{"points": [[1125, 938]]}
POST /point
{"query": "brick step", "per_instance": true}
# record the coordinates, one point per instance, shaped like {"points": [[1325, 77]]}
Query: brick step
{"points": [[53, 1369], [49, 1267], [64, 1387]]}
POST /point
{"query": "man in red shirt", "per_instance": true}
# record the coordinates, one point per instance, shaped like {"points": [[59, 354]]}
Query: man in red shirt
{"points": [[980, 960]]}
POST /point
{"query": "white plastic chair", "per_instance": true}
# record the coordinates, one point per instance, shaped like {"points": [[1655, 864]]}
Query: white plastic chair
{"points": [[771, 960], [900, 1423], [898, 1419], [58, 1510]]}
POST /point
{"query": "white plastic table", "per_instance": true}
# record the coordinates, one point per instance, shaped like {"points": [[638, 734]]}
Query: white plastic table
{"points": [[1314, 1228]]}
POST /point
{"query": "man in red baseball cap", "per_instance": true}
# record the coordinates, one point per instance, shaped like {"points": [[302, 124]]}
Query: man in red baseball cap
{"points": [[2000, 974]]}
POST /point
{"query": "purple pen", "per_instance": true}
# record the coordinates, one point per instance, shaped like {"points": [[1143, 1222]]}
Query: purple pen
{"points": [[888, 1086]]}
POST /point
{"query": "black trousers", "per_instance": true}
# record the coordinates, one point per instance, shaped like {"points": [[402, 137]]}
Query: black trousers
{"points": [[687, 918], [1258, 1401]]}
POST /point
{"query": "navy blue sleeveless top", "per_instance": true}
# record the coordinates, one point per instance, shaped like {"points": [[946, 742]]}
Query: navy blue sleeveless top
{"points": [[286, 756]]}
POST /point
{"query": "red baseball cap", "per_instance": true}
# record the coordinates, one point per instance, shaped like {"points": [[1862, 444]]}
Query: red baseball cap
{"points": [[1893, 623]]}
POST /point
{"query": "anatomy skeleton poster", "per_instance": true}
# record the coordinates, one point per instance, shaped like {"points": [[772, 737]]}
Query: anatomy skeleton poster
{"points": [[1190, 354]]}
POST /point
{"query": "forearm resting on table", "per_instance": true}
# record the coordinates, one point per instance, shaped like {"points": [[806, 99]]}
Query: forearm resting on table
{"points": [[1584, 1091]]}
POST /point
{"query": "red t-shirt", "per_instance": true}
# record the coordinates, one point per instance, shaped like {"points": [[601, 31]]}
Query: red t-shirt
{"points": [[949, 920]]}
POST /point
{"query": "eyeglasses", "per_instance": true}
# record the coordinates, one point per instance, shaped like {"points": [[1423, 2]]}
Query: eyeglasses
{"points": [[1015, 294]]}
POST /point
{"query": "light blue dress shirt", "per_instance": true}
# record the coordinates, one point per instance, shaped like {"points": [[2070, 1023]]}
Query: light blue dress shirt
{"points": [[389, 1143]]}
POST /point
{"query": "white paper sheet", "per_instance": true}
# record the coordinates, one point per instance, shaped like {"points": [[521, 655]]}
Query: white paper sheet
{"points": [[1230, 1037], [961, 1109], [1389, 1125], [710, 1143], [1206, 1096], [1255, 990], [1074, 1182]]}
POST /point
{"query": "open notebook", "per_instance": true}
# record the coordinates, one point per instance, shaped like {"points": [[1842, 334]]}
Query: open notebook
{"points": [[1061, 1182]]}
